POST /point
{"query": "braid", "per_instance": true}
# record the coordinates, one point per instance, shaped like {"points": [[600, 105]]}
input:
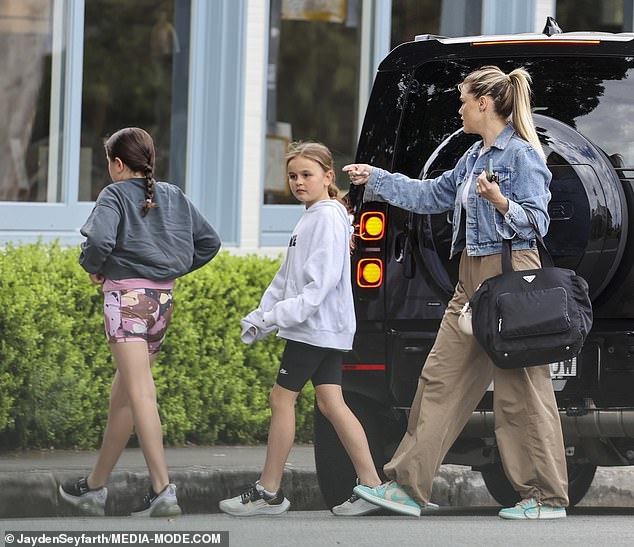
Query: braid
{"points": [[135, 148], [149, 190]]}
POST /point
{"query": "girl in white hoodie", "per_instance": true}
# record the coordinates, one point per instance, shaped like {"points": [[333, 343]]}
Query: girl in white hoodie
{"points": [[309, 303]]}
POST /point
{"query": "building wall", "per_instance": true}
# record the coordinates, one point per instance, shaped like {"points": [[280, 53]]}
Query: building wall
{"points": [[226, 126]]}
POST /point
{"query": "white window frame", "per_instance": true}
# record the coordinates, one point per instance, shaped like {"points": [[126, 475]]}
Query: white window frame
{"points": [[61, 217]]}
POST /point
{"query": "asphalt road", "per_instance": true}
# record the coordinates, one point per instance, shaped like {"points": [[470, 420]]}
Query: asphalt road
{"points": [[587, 527]]}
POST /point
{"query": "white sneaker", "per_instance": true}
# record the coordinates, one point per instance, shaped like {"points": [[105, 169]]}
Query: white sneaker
{"points": [[354, 507], [163, 504], [429, 508], [87, 501], [252, 502]]}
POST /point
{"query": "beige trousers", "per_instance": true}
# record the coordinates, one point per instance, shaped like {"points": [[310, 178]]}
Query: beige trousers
{"points": [[454, 379]]}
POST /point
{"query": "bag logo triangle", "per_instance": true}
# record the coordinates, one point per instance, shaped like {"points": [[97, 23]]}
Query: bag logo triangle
{"points": [[529, 278]]}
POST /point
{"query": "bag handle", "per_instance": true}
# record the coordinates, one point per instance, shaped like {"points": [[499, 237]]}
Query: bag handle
{"points": [[544, 255]]}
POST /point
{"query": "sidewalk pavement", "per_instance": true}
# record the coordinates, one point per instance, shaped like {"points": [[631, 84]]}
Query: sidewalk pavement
{"points": [[205, 475]]}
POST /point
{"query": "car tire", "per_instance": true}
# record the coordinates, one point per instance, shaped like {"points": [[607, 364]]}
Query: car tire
{"points": [[335, 473], [579, 480]]}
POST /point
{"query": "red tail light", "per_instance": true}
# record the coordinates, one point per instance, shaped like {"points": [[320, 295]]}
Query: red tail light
{"points": [[548, 41], [364, 367], [372, 225], [370, 273]]}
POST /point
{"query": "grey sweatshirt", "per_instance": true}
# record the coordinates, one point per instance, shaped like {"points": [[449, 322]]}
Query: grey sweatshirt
{"points": [[310, 297], [172, 240]]}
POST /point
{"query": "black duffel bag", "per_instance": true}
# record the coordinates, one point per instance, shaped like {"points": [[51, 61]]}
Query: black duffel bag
{"points": [[531, 317]]}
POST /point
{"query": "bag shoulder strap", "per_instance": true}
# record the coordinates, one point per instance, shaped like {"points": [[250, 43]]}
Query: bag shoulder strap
{"points": [[544, 255]]}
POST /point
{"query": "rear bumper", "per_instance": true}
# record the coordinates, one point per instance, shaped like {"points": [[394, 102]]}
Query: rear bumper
{"points": [[593, 424]]}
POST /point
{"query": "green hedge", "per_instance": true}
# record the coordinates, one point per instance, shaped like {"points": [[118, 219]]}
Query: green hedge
{"points": [[56, 369]]}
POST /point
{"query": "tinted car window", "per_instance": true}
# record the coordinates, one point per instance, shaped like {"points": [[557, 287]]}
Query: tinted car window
{"points": [[590, 94], [377, 141]]}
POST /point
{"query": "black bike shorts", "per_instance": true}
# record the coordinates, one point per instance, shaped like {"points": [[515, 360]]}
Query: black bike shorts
{"points": [[301, 362]]}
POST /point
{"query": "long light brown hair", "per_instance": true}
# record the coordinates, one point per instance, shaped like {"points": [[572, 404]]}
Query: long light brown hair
{"points": [[320, 154]]}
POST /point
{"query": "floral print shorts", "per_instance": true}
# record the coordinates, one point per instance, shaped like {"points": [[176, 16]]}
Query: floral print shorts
{"points": [[138, 314]]}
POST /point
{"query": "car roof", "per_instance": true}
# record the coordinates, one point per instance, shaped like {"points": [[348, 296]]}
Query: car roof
{"points": [[427, 47], [529, 36]]}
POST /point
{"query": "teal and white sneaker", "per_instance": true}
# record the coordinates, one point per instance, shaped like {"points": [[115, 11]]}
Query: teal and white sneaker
{"points": [[532, 509], [389, 495]]}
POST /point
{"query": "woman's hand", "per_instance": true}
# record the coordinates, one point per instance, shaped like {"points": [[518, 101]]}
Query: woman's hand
{"points": [[97, 279], [359, 173], [491, 190]]}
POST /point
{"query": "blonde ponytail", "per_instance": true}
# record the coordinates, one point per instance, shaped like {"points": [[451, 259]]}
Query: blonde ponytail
{"points": [[522, 114], [511, 94]]}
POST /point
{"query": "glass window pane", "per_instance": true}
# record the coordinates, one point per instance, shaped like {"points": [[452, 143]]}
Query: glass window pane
{"points": [[25, 95], [313, 86], [413, 17], [136, 72], [577, 15]]}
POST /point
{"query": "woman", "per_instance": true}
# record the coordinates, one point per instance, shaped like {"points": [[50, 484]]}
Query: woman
{"points": [[457, 373]]}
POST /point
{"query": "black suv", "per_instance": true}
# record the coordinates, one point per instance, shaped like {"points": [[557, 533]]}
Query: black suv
{"points": [[583, 86]]}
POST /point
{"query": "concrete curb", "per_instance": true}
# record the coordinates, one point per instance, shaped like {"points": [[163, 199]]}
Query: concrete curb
{"points": [[34, 493]]}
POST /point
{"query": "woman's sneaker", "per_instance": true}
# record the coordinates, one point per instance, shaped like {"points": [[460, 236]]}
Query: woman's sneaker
{"points": [[531, 509], [355, 507], [163, 504], [389, 495], [253, 500], [89, 502]]}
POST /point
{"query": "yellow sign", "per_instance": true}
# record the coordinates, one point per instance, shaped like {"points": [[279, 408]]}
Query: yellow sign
{"points": [[331, 11]]}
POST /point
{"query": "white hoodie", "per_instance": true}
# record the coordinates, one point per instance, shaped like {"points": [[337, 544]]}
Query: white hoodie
{"points": [[310, 297]]}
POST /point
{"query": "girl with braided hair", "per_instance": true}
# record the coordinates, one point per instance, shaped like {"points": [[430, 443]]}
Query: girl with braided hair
{"points": [[140, 237]]}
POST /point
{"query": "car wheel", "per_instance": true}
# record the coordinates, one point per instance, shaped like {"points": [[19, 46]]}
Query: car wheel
{"points": [[335, 474], [579, 479]]}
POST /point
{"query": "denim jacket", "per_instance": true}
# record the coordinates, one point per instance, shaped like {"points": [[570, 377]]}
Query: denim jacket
{"points": [[523, 178]]}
